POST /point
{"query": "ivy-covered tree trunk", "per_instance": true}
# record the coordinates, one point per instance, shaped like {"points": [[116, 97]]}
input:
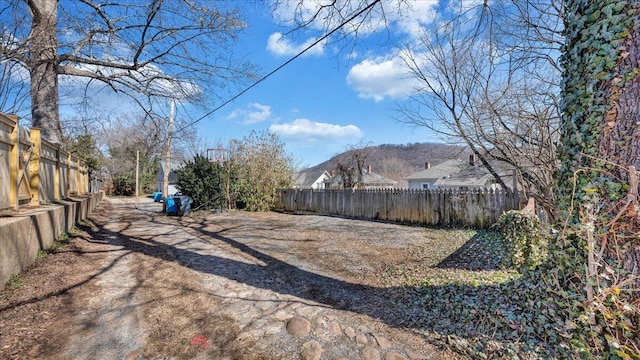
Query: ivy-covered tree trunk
{"points": [[600, 153], [44, 75], [599, 246]]}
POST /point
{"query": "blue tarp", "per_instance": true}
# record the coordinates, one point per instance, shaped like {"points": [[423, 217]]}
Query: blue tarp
{"points": [[184, 203]]}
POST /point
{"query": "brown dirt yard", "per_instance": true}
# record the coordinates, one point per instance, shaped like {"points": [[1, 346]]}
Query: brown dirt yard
{"points": [[133, 283]]}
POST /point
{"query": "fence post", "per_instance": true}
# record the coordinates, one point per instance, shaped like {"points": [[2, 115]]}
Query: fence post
{"points": [[56, 175], [34, 166], [14, 161], [68, 183]]}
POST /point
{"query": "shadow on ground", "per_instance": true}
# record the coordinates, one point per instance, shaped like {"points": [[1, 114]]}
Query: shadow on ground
{"points": [[463, 311]]}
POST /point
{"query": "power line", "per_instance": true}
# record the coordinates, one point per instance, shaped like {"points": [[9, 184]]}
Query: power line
{"points": [[365, 9]]}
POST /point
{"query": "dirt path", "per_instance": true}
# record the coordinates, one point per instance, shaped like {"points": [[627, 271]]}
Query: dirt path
{"points": [[135, 284]]}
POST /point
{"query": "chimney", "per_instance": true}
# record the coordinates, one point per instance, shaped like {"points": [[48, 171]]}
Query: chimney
{"points": [[472, 159], [369, 169], [333, 173], [427, 165]]}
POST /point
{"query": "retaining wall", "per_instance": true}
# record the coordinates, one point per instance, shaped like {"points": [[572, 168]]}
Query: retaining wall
{"points": [[23, 234]]}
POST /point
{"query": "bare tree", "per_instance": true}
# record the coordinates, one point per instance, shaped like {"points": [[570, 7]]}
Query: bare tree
{"points": [[123, 137], [145, 49], [14, 91], [395, 168], [350, 166], [497, 98]]}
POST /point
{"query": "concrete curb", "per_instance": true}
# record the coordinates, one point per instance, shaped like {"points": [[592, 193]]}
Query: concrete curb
{"points": [[23, 234]]}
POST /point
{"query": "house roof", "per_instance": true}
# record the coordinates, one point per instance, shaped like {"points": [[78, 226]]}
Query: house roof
{"points": [[305, 179], [458, 173], [373, 178], [368, 178], [467, 176], [439, 171]]}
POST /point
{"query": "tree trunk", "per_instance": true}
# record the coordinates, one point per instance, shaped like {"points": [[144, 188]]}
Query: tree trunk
{"points": [[44, 75], [600, 132], [167, 159]]}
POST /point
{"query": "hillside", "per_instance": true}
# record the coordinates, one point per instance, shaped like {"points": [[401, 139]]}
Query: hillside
{"points": [[396, 161]]}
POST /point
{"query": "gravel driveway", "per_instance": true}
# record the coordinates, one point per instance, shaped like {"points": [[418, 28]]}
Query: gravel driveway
{"points": [[235, 285]]}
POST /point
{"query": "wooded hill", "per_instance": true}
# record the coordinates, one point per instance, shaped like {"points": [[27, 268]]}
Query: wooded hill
{"points": [[396, 161]]}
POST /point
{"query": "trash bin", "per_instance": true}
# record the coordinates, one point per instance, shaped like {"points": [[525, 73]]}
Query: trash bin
{"points": [[179, 205], [172, 207], [157, 196]]}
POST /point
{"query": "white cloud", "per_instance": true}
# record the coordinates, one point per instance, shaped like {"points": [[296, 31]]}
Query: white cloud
{"points": [[353, 55], [403, 17], [253, 114], [415, 17], [307, 130], [460, 6], [281, 46], [381, 77]]}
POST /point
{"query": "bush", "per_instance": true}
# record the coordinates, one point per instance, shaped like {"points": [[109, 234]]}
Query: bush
{"points": [[200, 179], [260, 167], [123, 186], [526, 245]]}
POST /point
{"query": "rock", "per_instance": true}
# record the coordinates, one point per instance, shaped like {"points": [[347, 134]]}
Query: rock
{"points": [[320, 321], [321, 325], [251, 334], [362, 339], [282, 305], [298, 326], [272, 329], [311, 350], [334, 329], [308, 311], [394, 356], [350, 332], [266, 306], [382, 342], [135, 355], [414, 355], [363, 329], [369, 353], [282, 315]]}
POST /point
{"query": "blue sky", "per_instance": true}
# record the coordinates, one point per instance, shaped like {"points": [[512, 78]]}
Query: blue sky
{"points": [[336, 96], [323, 102]]}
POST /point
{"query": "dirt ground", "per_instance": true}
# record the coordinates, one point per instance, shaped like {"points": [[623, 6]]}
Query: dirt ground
{"points": [[133, 283]]}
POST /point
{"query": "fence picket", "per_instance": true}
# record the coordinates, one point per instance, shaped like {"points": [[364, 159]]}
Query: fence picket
{"points": [[46, 175], [473, 208]]}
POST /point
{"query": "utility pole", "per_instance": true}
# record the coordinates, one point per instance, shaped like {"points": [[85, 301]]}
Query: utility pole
{"points": [[137, 171], [219, 156], [167, 159]]}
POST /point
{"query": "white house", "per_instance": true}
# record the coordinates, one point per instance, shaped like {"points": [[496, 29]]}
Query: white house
{"points": [[453, 174], [310, 179], [173, 178]]}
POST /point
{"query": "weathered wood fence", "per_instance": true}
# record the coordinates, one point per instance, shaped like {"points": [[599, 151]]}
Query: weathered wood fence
{"points": [[34, 171], [472, 208]]}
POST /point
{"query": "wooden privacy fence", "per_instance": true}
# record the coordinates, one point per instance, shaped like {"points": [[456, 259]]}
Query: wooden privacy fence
{"points": [[33, 170], [472, 208]]}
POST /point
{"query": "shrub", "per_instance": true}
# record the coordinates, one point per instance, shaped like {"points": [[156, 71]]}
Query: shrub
{"points": [[200, 179], [526, 245], [123, 186]]}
